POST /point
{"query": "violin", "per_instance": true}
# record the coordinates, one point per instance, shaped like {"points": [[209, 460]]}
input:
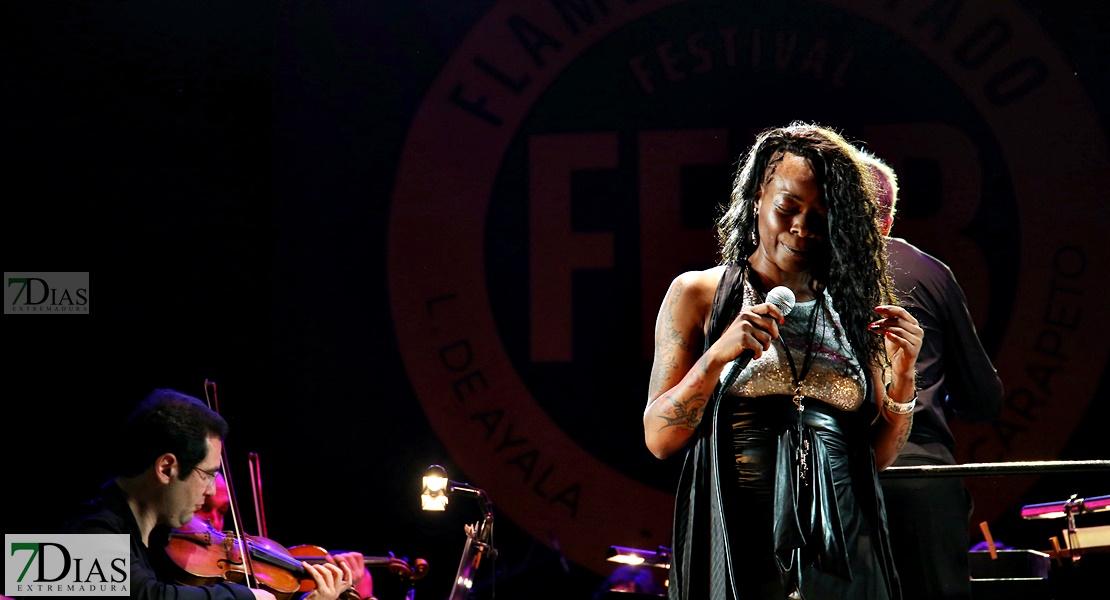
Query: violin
{"points": [[205, 556], [312, 554]]}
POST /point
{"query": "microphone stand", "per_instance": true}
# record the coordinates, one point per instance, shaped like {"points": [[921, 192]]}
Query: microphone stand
{"points": [[484, 532], [479, 539]]}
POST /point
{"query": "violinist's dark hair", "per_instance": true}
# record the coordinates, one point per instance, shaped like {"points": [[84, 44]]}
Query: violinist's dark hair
{"points": [[167, 421], [853, 266]]}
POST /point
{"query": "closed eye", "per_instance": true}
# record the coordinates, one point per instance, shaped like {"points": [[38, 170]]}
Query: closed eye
{"points": [[786, 208]]}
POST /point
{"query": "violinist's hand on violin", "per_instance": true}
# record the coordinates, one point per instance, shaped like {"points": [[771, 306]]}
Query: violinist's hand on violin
{"points": [[331, 580], [353, 560], [261, 594], [357, 562]]}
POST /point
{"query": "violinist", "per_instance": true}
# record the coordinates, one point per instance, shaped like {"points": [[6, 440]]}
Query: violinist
{"points": [[217, 505], [169, 456]]}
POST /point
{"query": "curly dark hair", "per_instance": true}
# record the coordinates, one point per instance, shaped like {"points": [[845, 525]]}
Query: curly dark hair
{"points": [[853, 269]]}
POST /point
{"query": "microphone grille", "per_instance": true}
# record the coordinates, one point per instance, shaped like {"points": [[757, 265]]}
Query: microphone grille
{"points": [[783, 298]]}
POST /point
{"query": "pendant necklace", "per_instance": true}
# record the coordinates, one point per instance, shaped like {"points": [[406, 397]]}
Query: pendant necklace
{"points": [[807, 360], [799, 381]]}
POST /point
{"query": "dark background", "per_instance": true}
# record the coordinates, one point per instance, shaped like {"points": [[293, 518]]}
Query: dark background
{"points": [[224, 172]]}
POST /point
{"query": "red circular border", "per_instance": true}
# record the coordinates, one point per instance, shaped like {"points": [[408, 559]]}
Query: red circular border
{"points": [[438, 281]]}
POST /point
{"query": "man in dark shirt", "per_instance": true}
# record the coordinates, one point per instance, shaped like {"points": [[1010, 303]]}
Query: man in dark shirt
{"points": [[928, 517], [169, 456]]}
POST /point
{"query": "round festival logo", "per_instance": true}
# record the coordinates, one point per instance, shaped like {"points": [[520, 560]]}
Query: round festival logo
{"points": [[568, 161]]}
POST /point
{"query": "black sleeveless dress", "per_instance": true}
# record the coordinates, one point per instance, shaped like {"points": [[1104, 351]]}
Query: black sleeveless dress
{"points": [[750, 524]]}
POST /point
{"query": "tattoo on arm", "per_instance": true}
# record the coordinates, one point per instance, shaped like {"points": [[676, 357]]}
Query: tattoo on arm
{"points": [[665, 365], [686, 413], [903, 434], [668, 330], [702, 365], [669, 340]]}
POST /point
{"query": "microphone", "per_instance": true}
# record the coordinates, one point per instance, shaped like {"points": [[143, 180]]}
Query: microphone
{"points": [[784, 299]]}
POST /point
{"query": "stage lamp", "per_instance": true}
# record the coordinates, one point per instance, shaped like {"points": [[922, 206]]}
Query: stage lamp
{"points": [[660, 558], [437, 487], [434, 494]]}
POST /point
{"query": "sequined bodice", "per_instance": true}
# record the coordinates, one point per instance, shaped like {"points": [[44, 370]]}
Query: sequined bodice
{"points": [[834, 376]]}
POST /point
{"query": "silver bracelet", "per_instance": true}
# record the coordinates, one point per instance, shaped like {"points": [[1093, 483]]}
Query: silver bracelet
{"points": [[899, 408]]}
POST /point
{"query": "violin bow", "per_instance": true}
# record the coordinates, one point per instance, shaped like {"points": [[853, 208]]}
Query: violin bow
{"points": [[255, 464], [225, 465]]}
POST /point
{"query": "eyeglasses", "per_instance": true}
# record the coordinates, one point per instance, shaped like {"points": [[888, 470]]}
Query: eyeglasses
{"points": [[209, 477]]}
